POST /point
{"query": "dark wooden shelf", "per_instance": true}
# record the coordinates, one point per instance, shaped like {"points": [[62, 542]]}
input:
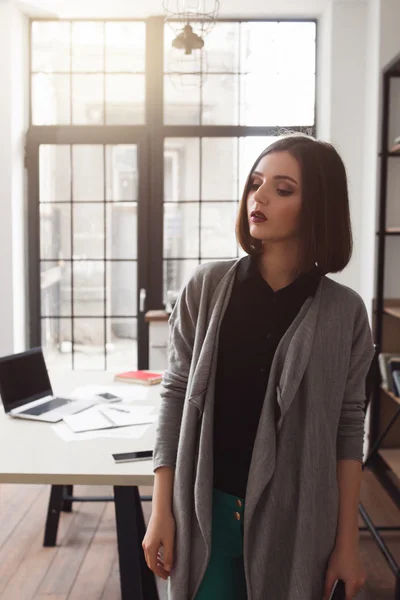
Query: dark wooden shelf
{"points": [[393, 311], [385, 466], [391, 456], [392, 154], [392, 396]]}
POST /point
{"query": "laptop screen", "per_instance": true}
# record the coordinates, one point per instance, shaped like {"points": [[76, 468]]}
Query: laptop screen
{"points": [[23, 378]]}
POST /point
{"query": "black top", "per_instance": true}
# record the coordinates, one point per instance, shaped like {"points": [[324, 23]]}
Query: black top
{"points": [[255, 320]]}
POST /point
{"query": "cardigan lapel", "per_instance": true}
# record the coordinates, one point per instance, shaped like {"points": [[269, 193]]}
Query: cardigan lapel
{"points": [[296, 349], [288, 366], [216, 310], [202, 396]]}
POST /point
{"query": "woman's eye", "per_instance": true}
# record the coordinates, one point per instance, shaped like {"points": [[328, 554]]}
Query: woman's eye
{"points": [[254, 186], [282, 192]]}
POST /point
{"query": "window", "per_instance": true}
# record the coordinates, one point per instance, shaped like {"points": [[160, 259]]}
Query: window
{"points": [[136, 176]]}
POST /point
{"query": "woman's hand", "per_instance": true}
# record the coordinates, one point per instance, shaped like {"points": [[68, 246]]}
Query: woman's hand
{"points": [[345, 564], [160, 533]]}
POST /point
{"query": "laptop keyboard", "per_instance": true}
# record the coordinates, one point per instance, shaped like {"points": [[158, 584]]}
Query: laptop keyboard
{"points": [[42, 408]]}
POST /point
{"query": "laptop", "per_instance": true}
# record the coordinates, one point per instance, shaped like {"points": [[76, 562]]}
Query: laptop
{"points": [[26, 391]]}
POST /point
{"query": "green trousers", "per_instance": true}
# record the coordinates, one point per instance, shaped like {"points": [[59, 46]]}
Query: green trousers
{"points": [[224, 578]]}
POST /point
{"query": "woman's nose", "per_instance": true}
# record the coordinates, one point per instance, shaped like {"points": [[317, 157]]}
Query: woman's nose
{"points": [[259, 198]]}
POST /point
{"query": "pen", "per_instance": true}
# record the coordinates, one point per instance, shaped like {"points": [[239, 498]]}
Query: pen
{"points": [[125, 410]]}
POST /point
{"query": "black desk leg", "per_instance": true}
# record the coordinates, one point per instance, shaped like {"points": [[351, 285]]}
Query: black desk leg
{"points": [[137, 581], [67, 504], [53, 515]]}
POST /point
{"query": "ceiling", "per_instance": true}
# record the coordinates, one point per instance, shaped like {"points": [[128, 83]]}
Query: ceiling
{"points": [[146, 8]]}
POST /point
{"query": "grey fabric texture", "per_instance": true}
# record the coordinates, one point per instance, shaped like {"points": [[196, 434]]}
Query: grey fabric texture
{"points": [[317, 379]]}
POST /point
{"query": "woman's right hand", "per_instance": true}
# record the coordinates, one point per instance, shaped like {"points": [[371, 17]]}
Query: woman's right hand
{"points": [[158, 543]]}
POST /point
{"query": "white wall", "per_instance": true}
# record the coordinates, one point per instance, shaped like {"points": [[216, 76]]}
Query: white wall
{"points": [[19, 125], [370, 154], [341, 94], [13, 123], [6, 295], [324, 74]]}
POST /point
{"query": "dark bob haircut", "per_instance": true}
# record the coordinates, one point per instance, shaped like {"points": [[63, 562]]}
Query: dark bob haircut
{"points": [[325, 227]]}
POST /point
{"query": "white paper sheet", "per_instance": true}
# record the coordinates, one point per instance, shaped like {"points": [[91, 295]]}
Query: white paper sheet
{"points": [[106, 417], [87, 420], [135, 415], [132, 433]]}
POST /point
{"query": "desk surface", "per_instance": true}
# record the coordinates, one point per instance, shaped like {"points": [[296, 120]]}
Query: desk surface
{"points": [[32, 452]]}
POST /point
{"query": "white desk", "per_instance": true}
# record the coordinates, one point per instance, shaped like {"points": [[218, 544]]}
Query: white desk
{"points": [[32, 452]]}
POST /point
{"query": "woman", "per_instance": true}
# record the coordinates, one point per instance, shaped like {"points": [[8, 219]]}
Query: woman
{"points": [[259, 446]]}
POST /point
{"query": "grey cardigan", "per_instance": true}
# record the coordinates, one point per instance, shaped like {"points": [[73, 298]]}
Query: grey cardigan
{"points": [[318, 380]]}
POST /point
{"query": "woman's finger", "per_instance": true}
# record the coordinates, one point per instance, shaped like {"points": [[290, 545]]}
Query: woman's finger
{"points": [[160, 564], [159, 571], [155, 568]]}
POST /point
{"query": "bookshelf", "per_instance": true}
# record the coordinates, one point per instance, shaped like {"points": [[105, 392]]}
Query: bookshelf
{"points": [[392, 396], [394, 312], [383, 459], [392, 457], [386, 313]]}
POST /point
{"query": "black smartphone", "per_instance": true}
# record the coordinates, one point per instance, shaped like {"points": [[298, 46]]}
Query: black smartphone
{"points": [[338, 591], [130, 456]]}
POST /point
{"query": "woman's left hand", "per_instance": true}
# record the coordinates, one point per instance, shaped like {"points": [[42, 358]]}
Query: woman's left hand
{"points": [[345, 564]]}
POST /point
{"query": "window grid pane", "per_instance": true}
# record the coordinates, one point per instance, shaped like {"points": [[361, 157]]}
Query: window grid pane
{"points": [[246, 76], [88, 255], [51, 46], [88, 73]]}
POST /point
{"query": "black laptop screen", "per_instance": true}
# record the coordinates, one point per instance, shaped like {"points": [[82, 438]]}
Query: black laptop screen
{"points": [[23, 378]]}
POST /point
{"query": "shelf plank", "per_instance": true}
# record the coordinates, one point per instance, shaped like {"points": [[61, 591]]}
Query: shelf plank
{"points": [[392, 311], [391, 395], [392, 457]]}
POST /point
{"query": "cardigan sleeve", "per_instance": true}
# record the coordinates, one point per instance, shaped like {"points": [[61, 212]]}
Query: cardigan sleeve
{"points": [[182, 327], [350, 436]]}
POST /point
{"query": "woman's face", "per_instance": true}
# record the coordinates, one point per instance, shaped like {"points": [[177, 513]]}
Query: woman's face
{"points": [[275, 192]]}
